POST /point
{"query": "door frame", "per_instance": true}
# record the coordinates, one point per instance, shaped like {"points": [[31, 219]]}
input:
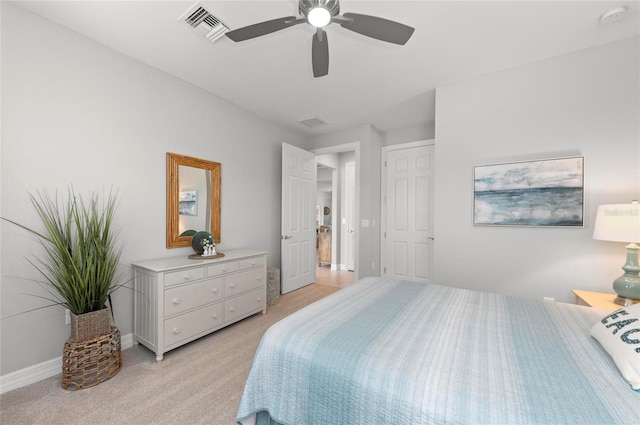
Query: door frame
{"points": [[348, 147], [383, 190], [350, 237]]}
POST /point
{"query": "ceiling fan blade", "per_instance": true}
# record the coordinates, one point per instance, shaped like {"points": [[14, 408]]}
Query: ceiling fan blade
{"points": [[378, 28], [263, 28], [320, 53]]}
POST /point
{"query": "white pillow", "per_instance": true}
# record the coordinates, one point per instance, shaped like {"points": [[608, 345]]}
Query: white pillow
{"points": [[619, 335]]}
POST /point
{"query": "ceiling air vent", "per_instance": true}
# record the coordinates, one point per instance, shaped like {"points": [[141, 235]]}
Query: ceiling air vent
{"points": [[204, 23], [313, 122]]}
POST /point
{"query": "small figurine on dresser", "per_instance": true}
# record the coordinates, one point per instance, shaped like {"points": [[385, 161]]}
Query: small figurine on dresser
{"points": [[204, 244], [209, 247]]}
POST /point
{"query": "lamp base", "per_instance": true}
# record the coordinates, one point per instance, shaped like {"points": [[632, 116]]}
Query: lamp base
{"points": [[624, 301], [627, 286]]}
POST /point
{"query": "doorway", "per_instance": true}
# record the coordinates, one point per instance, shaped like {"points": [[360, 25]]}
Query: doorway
{"points": [[325, 212], [330, 207], [298, 219], [334, 163]]}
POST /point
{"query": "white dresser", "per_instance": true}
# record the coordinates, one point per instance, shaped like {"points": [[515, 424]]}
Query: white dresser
{"points": [[177, 300]]}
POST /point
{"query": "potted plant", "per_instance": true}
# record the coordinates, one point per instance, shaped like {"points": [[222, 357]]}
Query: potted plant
{"points": [[79, 266]]}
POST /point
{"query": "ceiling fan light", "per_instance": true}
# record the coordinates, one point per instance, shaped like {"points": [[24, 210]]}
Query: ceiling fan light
{"points": [[319, 17]]}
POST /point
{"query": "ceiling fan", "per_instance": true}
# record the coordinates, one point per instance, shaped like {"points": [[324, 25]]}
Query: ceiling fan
{"points": [[319, 14]]}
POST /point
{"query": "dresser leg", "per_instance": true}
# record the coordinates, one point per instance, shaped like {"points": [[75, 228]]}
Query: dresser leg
{"points": [[159, 357]]}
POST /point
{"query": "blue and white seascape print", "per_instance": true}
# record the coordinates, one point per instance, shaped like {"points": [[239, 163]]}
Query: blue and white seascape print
{"points": [[533, 193]]}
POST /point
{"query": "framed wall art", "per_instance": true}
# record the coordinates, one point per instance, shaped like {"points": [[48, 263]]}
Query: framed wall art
{"points": [[548, 192]]}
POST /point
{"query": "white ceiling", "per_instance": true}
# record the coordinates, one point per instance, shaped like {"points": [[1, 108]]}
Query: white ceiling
{"points": [[369, 81]]}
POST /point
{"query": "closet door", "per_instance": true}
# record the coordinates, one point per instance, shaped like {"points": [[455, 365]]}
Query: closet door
{"points": [[408, 193]]}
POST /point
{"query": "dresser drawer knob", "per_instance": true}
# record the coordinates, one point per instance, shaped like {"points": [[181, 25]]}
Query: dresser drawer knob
{"points": [[258, 300], [187, 277], [176, 301], [231, 309], [215, 316], [253, 263], [215, 290], [233, 285], [224, 269], [258, 278], [176, 331]]}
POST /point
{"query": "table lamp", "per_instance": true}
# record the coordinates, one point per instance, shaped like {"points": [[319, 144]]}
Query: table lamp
{"points": [[621, 223]]}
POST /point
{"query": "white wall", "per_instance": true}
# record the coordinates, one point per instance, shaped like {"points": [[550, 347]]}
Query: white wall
{"points": [[410, 134], [75, 112], [586, 102]]}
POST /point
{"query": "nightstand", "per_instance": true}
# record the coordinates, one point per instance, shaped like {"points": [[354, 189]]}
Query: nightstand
{"points": [[596, 299]]}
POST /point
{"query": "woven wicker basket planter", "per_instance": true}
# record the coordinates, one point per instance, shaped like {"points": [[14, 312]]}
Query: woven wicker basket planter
{"points": [[90, 325], [88, 363]]}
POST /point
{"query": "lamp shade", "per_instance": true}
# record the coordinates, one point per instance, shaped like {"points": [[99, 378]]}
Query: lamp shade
{"points": [[618, 223]]}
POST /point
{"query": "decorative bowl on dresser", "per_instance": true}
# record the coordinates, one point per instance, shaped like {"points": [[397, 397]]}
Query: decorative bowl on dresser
{"points": [[177, 300]]}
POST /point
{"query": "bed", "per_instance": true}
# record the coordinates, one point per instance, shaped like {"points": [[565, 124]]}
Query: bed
{"points": [[384, 351]]}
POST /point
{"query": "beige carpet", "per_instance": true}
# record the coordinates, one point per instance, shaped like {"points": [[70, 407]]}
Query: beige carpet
{"points": [[200, 383]]}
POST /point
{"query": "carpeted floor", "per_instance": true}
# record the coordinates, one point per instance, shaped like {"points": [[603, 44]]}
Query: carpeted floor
{"points": [[200, 383]]}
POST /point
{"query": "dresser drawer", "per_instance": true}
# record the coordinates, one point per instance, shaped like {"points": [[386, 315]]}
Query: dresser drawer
{"points": [[243, 281], [189, 324], [183, 276], [222, 268], [249, 263], [242, 305], [187, 297]]}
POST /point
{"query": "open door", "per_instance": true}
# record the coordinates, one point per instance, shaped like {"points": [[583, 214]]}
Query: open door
{"points": [[298, 239]]}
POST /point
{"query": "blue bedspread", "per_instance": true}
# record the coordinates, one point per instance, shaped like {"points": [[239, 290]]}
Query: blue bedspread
{"points": [[384, 351]]}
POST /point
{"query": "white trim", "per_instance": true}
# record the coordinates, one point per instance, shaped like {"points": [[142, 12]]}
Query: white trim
{"points": [[32, 374]]}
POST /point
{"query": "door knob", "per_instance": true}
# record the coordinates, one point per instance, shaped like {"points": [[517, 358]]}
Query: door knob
{"points": [[286, 237]]}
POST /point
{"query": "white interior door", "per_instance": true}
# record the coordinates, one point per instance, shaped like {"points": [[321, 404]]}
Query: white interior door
{"points": [[298, 239], [408, 233]]}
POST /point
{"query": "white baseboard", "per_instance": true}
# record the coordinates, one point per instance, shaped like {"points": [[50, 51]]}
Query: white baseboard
{"points": [[38, 372]]}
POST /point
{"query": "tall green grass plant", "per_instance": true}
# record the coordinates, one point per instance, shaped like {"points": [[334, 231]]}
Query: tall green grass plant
{"points": [[79, 267]]}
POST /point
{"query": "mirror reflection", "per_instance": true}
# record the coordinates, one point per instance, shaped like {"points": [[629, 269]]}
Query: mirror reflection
{"points": [[193, 199], [194, 206]]}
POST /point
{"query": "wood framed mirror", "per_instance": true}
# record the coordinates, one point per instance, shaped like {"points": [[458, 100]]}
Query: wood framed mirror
{"points": [[193, 199]]}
